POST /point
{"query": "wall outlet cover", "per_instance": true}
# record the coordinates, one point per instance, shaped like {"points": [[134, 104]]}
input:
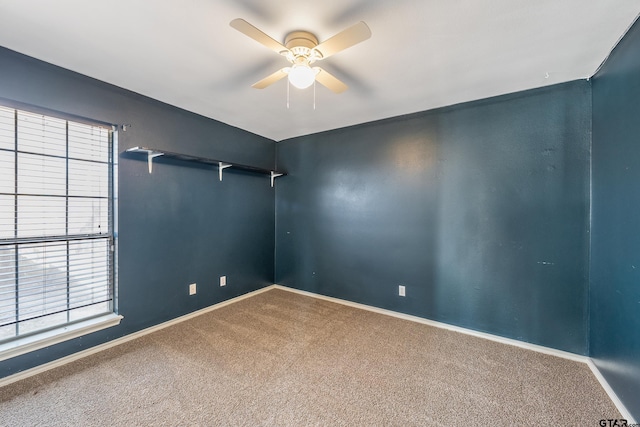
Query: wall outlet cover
{"points": [[192, 289], [223, 280], [401, 290]]}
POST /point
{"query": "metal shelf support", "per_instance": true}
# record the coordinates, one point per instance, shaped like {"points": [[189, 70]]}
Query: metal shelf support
{"points": [[150, 156], [222, 166], [274, 175]]}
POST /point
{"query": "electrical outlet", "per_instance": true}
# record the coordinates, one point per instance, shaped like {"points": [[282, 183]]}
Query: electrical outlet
{"points": [[401, 290], [192, 289], [223, 280]]}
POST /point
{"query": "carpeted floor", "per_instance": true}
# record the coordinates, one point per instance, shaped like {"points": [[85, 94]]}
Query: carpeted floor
{"points": [[279, 358]]}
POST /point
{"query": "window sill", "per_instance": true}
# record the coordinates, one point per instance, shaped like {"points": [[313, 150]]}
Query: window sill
{"points": [[54, 336]]}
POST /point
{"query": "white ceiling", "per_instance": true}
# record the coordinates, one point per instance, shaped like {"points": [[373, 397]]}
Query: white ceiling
{"points": [[423, 54]]}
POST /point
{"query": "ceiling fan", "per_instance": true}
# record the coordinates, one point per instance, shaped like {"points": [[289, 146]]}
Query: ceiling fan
{"points": [[302, 49]]}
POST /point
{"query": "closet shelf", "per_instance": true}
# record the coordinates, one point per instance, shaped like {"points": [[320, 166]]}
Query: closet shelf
{"points": [[152, 153]]}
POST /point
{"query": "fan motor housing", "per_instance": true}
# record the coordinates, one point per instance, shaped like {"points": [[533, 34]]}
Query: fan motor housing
{"points": [[300, 39]]}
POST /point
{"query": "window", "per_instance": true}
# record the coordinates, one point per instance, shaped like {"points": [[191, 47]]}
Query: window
{"points": [[56, 223]]}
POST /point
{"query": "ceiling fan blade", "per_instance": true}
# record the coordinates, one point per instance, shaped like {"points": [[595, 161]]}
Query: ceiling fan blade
{"points": [[249, 30], [269, 80], [353, 35], [330, 81]]}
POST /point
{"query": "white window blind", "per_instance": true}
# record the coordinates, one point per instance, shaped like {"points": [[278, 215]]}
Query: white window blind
{"points": [[56, 222]]}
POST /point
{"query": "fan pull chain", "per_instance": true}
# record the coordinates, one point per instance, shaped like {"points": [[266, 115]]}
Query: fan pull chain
{"points": [[288, 84], [314, 95]]}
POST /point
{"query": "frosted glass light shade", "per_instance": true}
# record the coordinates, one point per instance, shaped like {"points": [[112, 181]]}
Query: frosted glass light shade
{"points": [[301, 76]]}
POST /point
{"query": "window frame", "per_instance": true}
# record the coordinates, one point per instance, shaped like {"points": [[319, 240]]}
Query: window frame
{"points": [[32, 341]]}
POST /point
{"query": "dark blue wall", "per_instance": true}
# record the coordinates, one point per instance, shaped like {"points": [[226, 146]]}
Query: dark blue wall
{"points": [[180, 224], [481, 210], [615, 250]]}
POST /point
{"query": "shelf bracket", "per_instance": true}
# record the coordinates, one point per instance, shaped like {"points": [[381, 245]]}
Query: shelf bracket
{"points": [[150, 156], [274, 175], [222, 166]]}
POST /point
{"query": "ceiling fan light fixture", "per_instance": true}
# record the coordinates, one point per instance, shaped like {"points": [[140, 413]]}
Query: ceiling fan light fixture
{"points": [[302, 76], [301, 49]]}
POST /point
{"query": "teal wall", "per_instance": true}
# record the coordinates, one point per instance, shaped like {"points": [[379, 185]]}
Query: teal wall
{"points": [[481, 210], [615, 249]]}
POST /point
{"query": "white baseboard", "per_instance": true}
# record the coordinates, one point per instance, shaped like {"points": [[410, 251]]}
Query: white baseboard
{"points": [[84, 353], [612, 394], [528, 346]]}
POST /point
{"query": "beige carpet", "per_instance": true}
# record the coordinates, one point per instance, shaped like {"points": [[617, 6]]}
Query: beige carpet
{"points": [[284, 359]]}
